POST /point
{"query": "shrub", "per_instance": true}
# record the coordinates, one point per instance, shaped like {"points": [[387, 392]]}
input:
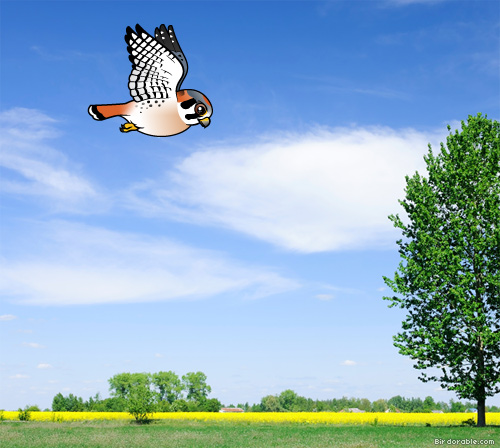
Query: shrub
{"points": [[211, 405], [163, 406], [469, 422], [24, 415], [33, 408], [141, 403], [180, 405]]}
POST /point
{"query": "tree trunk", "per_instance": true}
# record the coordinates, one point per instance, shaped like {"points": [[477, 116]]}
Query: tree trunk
{"points": [[481, 412], [481, 396]]}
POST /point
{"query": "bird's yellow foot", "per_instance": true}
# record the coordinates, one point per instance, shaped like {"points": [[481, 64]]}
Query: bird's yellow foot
{"points": [[127, 127]]}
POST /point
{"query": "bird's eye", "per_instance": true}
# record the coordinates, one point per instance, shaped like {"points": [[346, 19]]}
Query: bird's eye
{"points": [[200, 109]]}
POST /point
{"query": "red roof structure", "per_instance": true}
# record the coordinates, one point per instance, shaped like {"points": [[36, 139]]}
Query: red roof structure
{"points": [[231, 410]]}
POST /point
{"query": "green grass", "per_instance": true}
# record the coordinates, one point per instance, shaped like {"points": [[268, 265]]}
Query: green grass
{"points": [[192, 434]]}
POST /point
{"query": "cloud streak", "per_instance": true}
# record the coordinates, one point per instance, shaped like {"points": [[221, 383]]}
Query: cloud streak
{"points": [[81, 264], [19, 376], [33, 345], [327, 190], [32, 167], [413, 2], [348, 362], [44, 366]]}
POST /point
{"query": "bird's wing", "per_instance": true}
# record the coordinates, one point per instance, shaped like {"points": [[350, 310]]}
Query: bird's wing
{"points": [[168, 39], [156, 70]]}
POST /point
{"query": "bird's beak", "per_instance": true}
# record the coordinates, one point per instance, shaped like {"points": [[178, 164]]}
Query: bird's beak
{"points": [[204, 122]]}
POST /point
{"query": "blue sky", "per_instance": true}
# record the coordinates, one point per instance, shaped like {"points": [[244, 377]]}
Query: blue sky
{"points": [[252, 250]]}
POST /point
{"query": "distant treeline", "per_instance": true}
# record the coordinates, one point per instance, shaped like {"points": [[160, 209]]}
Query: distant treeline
{"points": [[166, 392], [289, 401], [271, 403]]}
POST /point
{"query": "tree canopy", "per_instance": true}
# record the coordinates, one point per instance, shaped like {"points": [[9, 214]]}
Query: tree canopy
{"points": [[195, 383], [449, 275], [169, 386]]}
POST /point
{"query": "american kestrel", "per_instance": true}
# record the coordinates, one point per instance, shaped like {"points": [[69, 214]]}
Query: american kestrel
{"points": [[158, 108]]}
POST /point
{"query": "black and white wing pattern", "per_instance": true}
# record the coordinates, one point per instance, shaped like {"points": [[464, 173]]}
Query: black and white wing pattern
{"points": [[168, 39], [158, 68]]}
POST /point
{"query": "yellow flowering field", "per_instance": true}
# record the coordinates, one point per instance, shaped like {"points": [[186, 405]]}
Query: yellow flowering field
{"points": [[333, 418]]}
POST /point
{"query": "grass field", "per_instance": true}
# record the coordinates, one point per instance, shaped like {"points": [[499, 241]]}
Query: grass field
{"points": [[220, 434]]}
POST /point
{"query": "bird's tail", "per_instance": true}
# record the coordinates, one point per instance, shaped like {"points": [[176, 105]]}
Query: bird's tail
{"points": [[95, 114], [101, 112]]}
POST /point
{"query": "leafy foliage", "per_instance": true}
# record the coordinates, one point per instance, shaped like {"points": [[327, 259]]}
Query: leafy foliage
{"points": [[24, 414], [195, 384], [70, 403], [449, 276], [141, 403], [169, 386], [121, 384]]}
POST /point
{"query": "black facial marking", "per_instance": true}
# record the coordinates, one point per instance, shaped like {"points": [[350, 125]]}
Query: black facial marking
{"points": [[188, 103], [189, 116]]}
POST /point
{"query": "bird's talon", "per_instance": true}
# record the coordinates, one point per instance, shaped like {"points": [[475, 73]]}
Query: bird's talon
{"points": [[127, 127]]}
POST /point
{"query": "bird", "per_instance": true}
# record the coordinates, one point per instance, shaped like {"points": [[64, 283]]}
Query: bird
{"points": [[159, 107]]}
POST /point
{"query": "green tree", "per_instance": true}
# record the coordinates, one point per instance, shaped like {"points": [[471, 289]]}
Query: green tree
{"points": [[303, 404], [271, 403], [429, 404], [168, 384], [457, 406], [379, 405], [287, 399], [211, 405], [195, 383], [121, 384], [416, 405], [71, 403], [113, 404], [365, 405], [397, 402], [449, 276], [141, 402], [58, 403], [180, 405]]}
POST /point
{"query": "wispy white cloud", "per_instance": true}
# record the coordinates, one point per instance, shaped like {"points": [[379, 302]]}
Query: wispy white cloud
{"points": [[413, 2], [33, 345], [325, 297], [19, 376], [79, 264], [51, 55], [333, 84], [6, 317], [330, 189], [44, 366], [34, 168], [465, 46], [348, 362]]}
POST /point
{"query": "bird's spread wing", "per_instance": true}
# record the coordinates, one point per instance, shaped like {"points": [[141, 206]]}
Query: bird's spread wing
{"points": [[168, 39], [157, 71]]}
